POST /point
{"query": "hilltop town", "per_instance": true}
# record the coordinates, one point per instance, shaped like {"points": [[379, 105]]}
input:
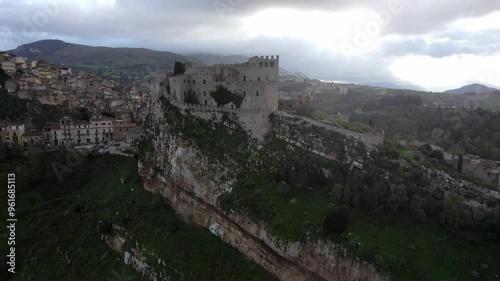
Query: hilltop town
{"points": [[114, 112]]}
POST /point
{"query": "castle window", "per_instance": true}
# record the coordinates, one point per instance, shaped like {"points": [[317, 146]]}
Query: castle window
{"points": [[245, 93], [267, 78], [184, 81], [261, 64], [257, 93], [206, 103], [204, 81], [267, 64], [244, 78], [194, 82], [258, 79], [194, 92], [204, 93]]}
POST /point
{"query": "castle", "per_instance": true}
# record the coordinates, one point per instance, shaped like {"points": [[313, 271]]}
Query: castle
{"points": [[255, 82]]}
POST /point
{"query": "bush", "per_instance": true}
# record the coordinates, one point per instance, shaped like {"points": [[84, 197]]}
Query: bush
{"points": [[335, 224], [105, 228], [159, 202], [179, 68], [416, 207], [223, 96], [191, 98]]}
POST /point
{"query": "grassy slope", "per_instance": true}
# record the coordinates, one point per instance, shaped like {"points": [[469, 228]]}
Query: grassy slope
{"points": [[69, 222], [429, 251]]}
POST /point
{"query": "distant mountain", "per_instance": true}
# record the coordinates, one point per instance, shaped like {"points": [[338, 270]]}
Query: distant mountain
{"points": [[117, 63], [390, 85], [284, 72], [211, 59], [472, 88]]}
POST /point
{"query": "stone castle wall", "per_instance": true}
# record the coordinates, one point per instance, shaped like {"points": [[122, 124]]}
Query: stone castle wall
{"points": [[482, 173], [324, 140], [255, 80]]}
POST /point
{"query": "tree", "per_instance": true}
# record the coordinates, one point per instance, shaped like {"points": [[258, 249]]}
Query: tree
{"points": [[335, 223], [305, 105], [105, 114], [3, 77], [336, 196], [179, 68], [223, 96], [455, 213], [191, 98], [460, 163], [417, 207], [398, 198]]}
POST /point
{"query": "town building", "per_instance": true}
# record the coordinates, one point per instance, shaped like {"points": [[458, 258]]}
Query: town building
{"points": [[13, 134], [485, 170], [126, 132]]}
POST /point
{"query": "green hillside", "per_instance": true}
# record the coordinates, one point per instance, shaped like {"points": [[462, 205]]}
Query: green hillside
{"points": [[60, 225], [116, 63]]}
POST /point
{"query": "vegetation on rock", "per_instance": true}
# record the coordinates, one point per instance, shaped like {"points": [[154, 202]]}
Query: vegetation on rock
{"points": [[223, 96]]}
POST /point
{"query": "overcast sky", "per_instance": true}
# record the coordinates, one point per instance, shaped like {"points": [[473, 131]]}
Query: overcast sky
{"points": [[436, 45]]}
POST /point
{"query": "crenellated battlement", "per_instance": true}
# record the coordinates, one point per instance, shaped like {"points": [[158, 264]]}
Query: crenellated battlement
{"points": [[272, 61]]}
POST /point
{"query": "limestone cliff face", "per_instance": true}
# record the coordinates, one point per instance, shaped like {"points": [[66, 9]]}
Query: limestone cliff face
{"points": [[192, 182]]}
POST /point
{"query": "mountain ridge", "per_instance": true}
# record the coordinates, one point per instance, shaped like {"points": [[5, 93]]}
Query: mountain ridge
{"points": [[472, 88], [116, 63]]}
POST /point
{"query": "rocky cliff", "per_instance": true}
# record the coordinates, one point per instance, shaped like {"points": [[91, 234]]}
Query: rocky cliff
{"points": [[186, 160]]}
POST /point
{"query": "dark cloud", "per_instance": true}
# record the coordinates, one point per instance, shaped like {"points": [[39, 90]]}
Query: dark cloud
{"points": [[214, 26]]}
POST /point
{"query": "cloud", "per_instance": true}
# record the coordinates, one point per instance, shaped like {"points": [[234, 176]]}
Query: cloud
{"points": [[439, 45], [309, 35]]}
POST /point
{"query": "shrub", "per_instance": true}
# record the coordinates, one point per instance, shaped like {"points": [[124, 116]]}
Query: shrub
{"points": [[223, 96], [179, 68], [335, 224], [191, 98], [105, 228], [159, 202], [416, 207]]}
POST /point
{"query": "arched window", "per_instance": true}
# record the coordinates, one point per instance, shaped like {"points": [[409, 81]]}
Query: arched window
{"points": [[267, 64], [258, 79], [261, 64], [272, 64], [257, 93], [244, 78]]}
